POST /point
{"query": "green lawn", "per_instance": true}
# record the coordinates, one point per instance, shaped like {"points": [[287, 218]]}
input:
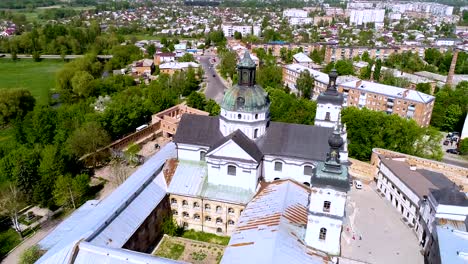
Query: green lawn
{"points": [[38, 77], [171, 250], [8, 240], [206, 237]]}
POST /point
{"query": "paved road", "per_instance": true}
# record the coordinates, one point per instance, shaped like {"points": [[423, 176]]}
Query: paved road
{"points": [[453, 159], [13, 257], [51, 56], [215, 87]]}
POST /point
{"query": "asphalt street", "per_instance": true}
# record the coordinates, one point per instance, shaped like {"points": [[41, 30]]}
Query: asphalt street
{"points": [[214, 86]]}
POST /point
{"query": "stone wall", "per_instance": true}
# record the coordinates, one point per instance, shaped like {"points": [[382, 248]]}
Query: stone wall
{"points": [[362, 171], [148, 234], [456, 174]]}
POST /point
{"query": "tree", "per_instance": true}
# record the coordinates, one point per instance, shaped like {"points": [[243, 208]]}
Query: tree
{"points": [[366, 57], [132, 152], [212, 107], [69, 191], [196, 100], [305, 84], [288, 108], [377, 69], [463, 147], [82, 83], [343, 67], [228, 64], [15, 104], [269, 76], [187, 57], [151, 50], [87, 139], [444, 115], [366, 72], [237, 35], [31, 255], [51, 166], [316, 56], [11, 202], [423, 88]]}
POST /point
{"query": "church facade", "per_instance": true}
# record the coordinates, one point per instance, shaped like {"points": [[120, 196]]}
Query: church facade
{"points": [[225, 159]]}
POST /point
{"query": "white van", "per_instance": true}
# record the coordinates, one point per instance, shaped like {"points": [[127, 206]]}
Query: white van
{"points": [[358, 184]]}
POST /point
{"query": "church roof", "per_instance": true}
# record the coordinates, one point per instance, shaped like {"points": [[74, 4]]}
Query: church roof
{"points": [[198, 130], [247, 61], [293, 140], [272, 227], [325, 179], [245, 99], [242, 141]]}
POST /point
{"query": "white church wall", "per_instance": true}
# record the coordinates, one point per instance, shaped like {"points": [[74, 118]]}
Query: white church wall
{"points": [[246, 175], [331, 242], [232, 150], [291, 169], [319, 196], [248, 123], [190, 152]]}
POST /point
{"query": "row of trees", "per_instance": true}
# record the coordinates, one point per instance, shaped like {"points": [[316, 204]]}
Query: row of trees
{"points": [[450, 108]]}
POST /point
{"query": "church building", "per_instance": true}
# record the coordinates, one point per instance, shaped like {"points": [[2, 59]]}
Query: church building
{"points": [[222, 160]]}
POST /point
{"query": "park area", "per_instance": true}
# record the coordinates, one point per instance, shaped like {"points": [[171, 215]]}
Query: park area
{"points": [[37, 77], [193, 247]]}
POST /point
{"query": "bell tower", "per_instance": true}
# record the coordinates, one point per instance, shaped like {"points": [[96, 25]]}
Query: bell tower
{"points": [[329, 104]]}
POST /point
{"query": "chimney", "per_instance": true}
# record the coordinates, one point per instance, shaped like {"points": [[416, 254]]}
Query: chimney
{"points": [[452, 68]]}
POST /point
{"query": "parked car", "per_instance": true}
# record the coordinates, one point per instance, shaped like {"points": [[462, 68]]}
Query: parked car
{"points": [[453, 151], [358, 184]]}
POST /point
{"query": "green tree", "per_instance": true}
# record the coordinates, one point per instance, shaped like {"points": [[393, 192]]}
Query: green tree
{"points": [[51, 166], [196, 100], [87, 139], [270, 76], [31, 255], [228, 64], [288, 108], [82, 83], [423, 88], [237, 35], [15, 104], [448, 104], [11, 202], [151, 50], [131, 153], [187, 57], [377, 69], [366, 57], [343, 67], [69, 192], [305, 84], [464, 146], [316, 56], [212, 107]]}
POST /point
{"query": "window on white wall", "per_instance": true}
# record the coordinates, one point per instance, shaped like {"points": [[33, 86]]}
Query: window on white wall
{"points": [[256, 133], [308, 170], [326, 206], [327, 116], [231, 170], [278, 166], [323, 233], [202, 155]]}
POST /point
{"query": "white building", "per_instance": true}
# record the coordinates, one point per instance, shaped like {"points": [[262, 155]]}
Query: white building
{"points": [[362, 16], [302, 59], [295, 13], [230, 29], [300, 20], [447, 42], [464, 133]]}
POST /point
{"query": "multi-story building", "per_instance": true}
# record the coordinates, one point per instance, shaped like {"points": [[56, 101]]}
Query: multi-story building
{"points": [[292, 71], [294, 13], [363, 16], [230, 29], [275, 47], [172, 67], [406, 103]]}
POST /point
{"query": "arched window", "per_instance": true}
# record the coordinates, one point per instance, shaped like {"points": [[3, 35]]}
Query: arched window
{"points": [[308, 170], [327, 116], [202, 155], [184, 203], [230, 222], [196, 216], [175, 212], [207, 218], [240, 212], [219, 209], [256, 116], [326, 206], [219, 220], [323, 233], [207, 207], [196, 205], [275, 179], [231, 170], [306, 184], [173, 201], [219, 230], [256, 133], [239, 116], [185, 214], [230, 210], [278, 166]]}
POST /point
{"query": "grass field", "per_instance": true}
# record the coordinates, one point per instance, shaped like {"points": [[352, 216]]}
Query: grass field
{"points": [[37, 77]]}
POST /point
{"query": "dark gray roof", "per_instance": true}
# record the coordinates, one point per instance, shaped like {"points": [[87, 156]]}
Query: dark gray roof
{"points": [[293, 140], [242, 141], [336, 99], [450, 196], [198, 130], [327, 179], [438, 179]]}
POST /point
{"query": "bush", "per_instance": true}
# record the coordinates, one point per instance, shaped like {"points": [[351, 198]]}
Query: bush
{"points": [[30, 255]]}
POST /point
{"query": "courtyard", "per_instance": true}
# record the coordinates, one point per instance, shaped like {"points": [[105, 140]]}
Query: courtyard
{"points": [[373, 231], [189, 250]]}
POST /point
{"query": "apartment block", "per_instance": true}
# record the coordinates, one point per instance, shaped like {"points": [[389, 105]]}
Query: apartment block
{"points": [[406, 103], [230, 29]]}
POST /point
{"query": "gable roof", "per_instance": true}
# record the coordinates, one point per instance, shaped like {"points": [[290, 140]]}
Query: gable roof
{"points": [[198, 130], [274, 224], [450, 196], [242, 141], [294, 140]]}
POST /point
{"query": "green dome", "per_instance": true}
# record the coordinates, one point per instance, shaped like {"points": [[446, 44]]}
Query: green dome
{"points": [[245, 99]]}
